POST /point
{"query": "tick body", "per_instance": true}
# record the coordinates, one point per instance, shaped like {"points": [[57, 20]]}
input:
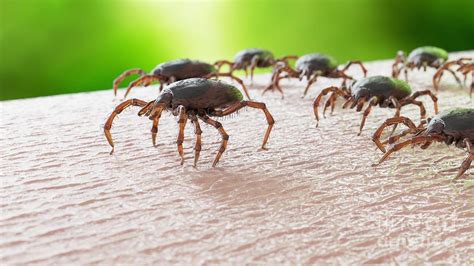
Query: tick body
{"points": [[252, 58], [194, 99], [432, 57], [453, 127], [311, 66], [172, 71], [385, 92]]}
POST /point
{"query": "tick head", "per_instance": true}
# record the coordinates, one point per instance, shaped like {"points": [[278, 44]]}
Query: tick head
{"points": [[360, 93], [435, 126]]}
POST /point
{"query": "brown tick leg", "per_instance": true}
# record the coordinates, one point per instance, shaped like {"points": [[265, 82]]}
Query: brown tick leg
{"points": [[124, 75], [310, 82], [350, 63], [115, 112], [197, 132], [257, 105], [220, 63], [225, 137], [429, 93], [325, 91], [253, 64], [182, 124], [413, 141], [145, 80], [392, 121], [466, 164], [154, 128], [373, 102]]}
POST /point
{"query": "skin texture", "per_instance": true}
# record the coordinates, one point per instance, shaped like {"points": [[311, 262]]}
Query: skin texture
{"points": [[194, 99], [316, 62], [454, 126]]}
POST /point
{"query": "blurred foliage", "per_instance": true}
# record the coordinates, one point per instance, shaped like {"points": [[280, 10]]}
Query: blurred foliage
{"points": [[62, 46]]}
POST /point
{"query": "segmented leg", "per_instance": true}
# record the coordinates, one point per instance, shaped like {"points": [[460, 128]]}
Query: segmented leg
{"points": [[225, 137], [220, 63], [154, 128], [310, 82], [230, 75], [124, 75], [360, 104], [350, 63], [183, 117], [399, 59], [347, 102], [325, 91], [145, 80], [418, 103], [467, 162], [373, 102], [197, 132], [115, 112], [392, 121], [257, 105], [412, 141], [279, 68], [330, 102], [446, 67], [398, 108], [429, 93], [253, 64], [275, 84]]}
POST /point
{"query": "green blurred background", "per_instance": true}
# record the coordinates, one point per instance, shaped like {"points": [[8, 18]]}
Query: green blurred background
{"points": [[63, 46]]}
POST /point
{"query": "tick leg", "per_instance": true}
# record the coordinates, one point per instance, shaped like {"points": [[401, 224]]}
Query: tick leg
{"points": [[330, 102], [257, 105], [325, 91], [197, 132], [310, 82], [145, 80], [392, 121], [399, 59], [124, 75], [115, 112], [373, 102], [182, 124], [350, 63], [466, 164], [429, 93], [253, 64], [225, 137], [413, 141], [220, 63], [230, 75], [154, 128]]}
